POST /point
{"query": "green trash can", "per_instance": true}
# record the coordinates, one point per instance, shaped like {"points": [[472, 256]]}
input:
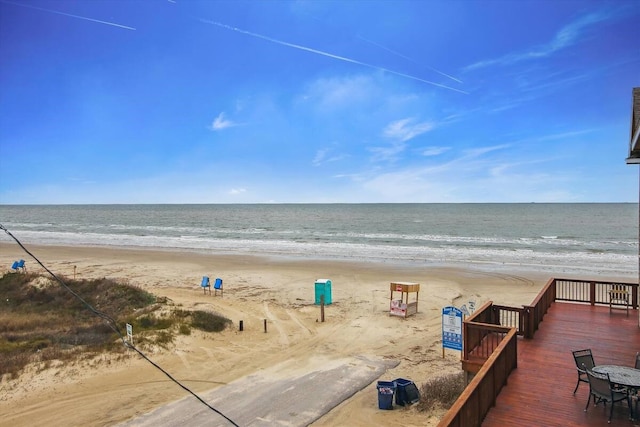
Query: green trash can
{"points": [[323, 289]]}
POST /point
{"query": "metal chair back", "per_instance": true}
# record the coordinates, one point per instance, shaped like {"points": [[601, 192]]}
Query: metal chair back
{"points": [[584, 359], [599, 385], [602, 390]]}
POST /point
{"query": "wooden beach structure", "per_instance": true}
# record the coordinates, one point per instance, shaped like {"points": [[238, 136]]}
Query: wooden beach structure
{"points": [[402, 307], [520, 368], [519, 362]]}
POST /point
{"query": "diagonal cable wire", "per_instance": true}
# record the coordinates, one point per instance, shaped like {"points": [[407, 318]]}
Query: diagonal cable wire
{"points": [[114, 326]]}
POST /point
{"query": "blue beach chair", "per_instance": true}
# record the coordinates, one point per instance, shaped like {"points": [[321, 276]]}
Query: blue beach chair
{"points": [[18, 265], [206, 284], [218, 286]]}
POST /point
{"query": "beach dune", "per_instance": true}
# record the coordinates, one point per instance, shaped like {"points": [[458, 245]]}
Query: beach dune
{"points": [[357, 332]]}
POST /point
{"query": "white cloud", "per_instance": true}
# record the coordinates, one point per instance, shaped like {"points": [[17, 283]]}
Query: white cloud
{"points": [[404, 129], [388, 153], [236, 191], [565, 135], [399, 132], [480, 151], [320, 156], [336, 93], [327, 155], [567, 36], [221, 122], [446, 182], [434, 151]]}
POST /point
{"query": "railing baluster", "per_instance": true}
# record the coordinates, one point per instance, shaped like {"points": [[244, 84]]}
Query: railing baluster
{"points": [[590, 292]]}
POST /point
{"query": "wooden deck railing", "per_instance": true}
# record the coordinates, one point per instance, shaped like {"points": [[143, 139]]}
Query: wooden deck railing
{"points": [[490, 341], [512, 317], [592, 292], [480, 394], [538, 308], [577, 291]]}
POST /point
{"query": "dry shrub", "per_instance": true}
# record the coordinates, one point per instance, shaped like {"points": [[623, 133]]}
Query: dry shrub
{"points": [[441, 392], [16, 321], [13, 363], [209, 322]]}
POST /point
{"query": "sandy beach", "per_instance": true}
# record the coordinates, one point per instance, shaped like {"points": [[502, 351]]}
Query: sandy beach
{"points": [[103, 391]]}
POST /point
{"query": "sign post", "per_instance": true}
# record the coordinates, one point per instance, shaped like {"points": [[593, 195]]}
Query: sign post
{"points": [[451, 329], [464, 311], [130, 333]]}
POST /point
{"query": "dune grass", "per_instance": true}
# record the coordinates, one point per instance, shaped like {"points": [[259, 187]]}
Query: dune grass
{"points": [[40, 320]]}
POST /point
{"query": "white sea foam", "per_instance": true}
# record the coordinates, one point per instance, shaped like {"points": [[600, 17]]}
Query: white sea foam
{"points": [[576, 262], [544, 237]]}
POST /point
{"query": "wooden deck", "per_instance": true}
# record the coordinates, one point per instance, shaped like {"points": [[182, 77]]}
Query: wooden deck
{"points": [[540, 391]]}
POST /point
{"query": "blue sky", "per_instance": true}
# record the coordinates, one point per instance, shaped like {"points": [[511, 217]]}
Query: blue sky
{"points": [[161, 101]]}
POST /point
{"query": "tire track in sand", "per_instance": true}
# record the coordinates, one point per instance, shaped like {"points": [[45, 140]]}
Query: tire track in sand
{"points": [[284, 339], [296, 319]]}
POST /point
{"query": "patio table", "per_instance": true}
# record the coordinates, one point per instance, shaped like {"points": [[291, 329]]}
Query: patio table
{"points": [[623, 376]]}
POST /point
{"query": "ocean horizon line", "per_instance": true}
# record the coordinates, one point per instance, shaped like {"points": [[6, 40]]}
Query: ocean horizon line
{"points": [[313, 203]]}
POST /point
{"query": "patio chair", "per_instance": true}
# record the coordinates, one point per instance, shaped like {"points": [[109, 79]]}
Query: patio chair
{"points": [[619, 298], [206, 284], [583, 358], [218, 286], [602, 390]]}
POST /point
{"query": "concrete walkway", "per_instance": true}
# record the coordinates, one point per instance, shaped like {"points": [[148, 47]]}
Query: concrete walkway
{"points": [[274, 397]]}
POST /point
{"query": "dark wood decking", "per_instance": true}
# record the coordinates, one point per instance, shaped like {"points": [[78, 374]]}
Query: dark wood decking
{"points": [[540, 391]]}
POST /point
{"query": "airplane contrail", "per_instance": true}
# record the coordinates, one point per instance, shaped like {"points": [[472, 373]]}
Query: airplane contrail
{"points": [[406, 57], [69, 15], [330, 55]]}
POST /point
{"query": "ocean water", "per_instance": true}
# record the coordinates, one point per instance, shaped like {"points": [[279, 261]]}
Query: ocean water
{"points": [[559, 238]]}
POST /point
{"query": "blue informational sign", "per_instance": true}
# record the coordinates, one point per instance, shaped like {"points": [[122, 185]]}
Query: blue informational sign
{"points": [[452, 328]]}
